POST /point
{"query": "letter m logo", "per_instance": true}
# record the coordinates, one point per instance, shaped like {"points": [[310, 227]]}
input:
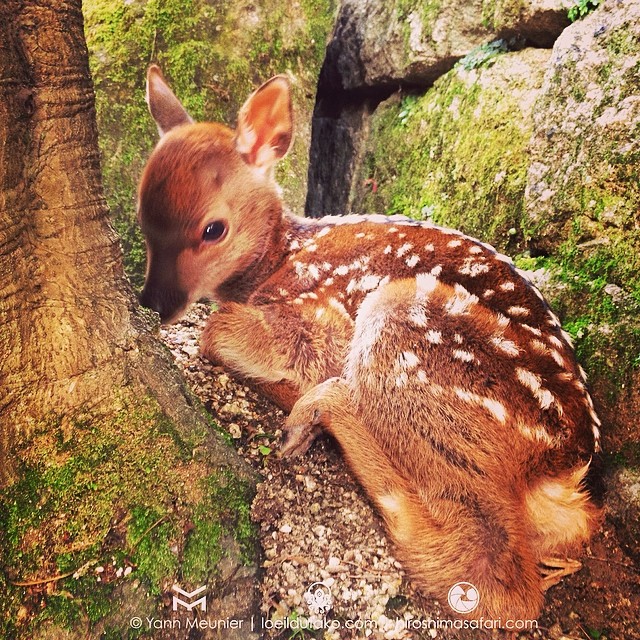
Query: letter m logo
{"points": [[189, 605]]}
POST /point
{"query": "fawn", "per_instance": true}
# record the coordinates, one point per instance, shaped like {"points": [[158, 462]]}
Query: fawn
{"points": [[440, 370]]}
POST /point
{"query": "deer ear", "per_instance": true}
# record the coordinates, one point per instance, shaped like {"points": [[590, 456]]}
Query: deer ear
{"points": [[265, 124], [163, 104]]}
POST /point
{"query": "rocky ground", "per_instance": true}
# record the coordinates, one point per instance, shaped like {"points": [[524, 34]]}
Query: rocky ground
{"points": [[317, 525]]}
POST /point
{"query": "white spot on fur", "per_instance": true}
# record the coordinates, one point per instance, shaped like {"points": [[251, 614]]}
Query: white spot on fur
{"points": [[326, 266], [434, 337], [502, 321], [534, 330], [559, 360], [392, 230], [556, 342], [425, 284], [539, 346], [413, 261], [454, 243], [436, 271], [408, 360], [567, 337], [418, 315], [283, 292], [294, 246], [533, 382], [465, 356], [506, 346], [338, 306], [497, 409], [508, 286], [328, 282], [596, 437], [403, 249], [553, 319], [472, 268], [387, 250], [475, 249], [429, 247], [458, 338], [537, 435], [319, 313], [360, 235], [460, 301], [314, 272], [311, 247], [342, 270], [489, 293], [323, 232], [519, 312], [402, 379], [421, 375]]}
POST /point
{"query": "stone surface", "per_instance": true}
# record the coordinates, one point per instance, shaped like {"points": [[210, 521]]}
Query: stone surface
{"points": [[377, 42], [379, 46], [586, 143], [623, 506]]}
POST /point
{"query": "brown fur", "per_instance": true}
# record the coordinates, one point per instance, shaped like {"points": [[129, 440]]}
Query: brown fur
{"points": [[439, 369]]}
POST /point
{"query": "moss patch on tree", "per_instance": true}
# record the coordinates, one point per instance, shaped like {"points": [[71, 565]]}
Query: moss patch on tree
{"points": [[107, 494]]}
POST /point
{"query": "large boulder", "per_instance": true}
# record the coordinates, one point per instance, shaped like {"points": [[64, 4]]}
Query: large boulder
{"points": [[586, 143], [377, 42], [583, 201], [379, 46]]}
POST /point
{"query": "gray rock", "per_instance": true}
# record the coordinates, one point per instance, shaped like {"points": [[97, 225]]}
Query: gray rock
{"points": [[586, 126]]}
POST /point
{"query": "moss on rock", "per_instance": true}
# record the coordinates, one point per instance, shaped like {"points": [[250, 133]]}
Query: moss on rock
{"points": [[583, 198], [457, 155]]}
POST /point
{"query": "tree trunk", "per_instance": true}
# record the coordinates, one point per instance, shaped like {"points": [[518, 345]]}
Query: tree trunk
{"points": [[66, 308], [80, 372]]}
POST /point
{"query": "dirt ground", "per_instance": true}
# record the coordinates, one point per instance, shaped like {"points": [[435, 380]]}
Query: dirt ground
{"points": [[316, 525]]}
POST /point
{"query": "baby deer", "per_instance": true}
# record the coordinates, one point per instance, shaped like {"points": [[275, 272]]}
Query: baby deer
{"points": [[440, 370]]}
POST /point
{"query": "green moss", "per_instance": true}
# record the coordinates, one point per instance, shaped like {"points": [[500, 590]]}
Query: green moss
{"points": [[457, 155], [149, 535], [500, 14], [214, 55], [427, 11], [95, 490], [225, 511], [602, 321]]}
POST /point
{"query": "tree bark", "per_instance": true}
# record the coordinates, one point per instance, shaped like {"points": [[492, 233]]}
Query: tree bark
{"points": [[66, 307]]}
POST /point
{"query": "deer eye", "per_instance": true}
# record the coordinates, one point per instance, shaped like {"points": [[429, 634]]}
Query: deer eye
{"points": [[214, 231]]}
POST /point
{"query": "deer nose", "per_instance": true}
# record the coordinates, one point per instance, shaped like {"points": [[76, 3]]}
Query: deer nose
{"points": [[167, 303]]}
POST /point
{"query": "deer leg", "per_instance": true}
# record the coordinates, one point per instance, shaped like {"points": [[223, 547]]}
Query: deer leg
{"points": [[276, 347], [329, 407], [554, 569]]}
